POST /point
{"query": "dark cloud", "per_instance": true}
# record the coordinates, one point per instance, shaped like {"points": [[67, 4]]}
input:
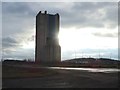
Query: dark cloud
{"points": [[13, 25], [90, 14], [9, 42], [19, 16], [18, 19], [17, 8]]}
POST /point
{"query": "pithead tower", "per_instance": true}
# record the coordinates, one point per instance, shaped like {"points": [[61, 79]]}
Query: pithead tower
{"points": [[48, 49]]}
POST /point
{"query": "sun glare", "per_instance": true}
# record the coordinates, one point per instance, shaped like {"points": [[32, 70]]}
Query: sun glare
{"points": [[72, 38]]}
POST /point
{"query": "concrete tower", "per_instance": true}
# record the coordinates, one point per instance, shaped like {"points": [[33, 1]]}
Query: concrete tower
{"points": [[48, 49]]}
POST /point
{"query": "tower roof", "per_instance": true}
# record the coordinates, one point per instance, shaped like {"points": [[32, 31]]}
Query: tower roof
{"points": [[40, 12]]}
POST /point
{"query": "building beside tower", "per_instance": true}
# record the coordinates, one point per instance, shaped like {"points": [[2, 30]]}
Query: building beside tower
{"points": [[47, 48]]}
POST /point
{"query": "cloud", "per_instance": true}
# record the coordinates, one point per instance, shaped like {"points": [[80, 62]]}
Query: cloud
{"points": [[112, 35], [19, 54], [87, 14], [81, 14], [18, 21], [17, 18], [12, 49], [9, 44], [32, 38], [15, 8], [0, 30]]}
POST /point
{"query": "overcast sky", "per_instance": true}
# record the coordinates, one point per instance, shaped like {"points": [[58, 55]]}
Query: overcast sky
{"points": [[87, 29]]}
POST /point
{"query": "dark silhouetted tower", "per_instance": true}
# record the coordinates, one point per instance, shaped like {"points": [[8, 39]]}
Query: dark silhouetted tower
{"points": [[47, 42]]}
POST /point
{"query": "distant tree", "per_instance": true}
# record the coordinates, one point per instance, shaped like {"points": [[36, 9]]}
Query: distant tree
{"points": [[25, 60], [30, 60]]}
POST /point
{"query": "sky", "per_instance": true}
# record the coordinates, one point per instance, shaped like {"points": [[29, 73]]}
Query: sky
{"points": [[87, 29]]}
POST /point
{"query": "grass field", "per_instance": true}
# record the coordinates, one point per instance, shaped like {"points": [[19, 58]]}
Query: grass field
{"points": [[24, 77], [24, 72]]}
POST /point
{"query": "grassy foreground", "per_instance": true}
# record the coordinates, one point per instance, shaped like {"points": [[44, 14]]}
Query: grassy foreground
{"points": [[24, 72]]}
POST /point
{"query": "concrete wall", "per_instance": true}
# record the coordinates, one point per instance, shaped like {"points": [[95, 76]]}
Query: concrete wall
{"points": [[47, 42]]}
